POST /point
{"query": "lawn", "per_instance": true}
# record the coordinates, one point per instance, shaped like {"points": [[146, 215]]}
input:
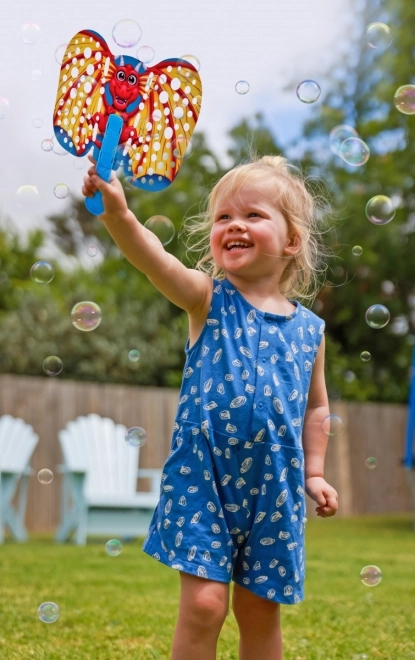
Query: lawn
{"points": [[114, 608]]}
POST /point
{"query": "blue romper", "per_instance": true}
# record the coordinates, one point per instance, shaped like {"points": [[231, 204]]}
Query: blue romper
{"points": [[232, 502]]}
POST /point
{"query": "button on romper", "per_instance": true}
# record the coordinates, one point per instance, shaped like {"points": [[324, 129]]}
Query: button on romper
{"points": [[232, 502]]}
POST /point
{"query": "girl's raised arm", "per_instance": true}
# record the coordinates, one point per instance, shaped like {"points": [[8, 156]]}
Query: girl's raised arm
{"points": [[185, 287]]}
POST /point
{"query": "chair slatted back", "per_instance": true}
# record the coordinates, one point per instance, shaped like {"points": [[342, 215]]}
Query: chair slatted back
{"points": [[97, 446], [17, 443]]}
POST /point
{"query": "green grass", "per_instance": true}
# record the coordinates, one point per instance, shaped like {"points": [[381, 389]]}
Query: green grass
{"points": [[125, 607]]}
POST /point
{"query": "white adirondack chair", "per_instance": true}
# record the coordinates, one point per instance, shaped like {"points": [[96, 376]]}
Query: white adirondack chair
{"points": [[17, 444], [99, 489]]}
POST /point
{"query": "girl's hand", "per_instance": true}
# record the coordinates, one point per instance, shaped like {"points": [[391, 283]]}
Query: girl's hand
{"points": [[321, 492], [113, 196]]}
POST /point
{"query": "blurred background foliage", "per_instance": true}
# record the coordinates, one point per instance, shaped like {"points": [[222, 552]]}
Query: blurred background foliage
{"points": [[35, 319]]}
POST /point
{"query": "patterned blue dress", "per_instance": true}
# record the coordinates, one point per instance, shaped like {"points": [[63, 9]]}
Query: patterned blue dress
{"points": [[232, 502]]}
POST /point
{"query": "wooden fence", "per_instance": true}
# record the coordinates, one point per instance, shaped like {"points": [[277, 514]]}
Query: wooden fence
{"points": [[371, 429]]}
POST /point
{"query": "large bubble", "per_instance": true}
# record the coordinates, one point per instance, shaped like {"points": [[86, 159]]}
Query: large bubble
{"points": [[30, 33], [370, 576], [404, 99], [162, 227], [136, 436], [377, 316], [86, 316], [378, 35], [126, 33], [48, 612], [354, 151], [380, 210], [338, 135]]}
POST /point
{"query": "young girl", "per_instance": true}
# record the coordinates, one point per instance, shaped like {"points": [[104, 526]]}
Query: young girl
{"points": [[247, 441]]}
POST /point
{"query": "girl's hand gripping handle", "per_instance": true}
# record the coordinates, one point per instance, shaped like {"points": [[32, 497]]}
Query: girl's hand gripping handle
{"points": [[105, 161]]}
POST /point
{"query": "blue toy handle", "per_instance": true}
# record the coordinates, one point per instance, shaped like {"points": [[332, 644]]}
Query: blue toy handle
{"points": [[105, 161]]}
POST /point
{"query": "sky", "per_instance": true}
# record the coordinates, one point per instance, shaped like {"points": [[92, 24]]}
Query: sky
{"points": [[271, 44]]}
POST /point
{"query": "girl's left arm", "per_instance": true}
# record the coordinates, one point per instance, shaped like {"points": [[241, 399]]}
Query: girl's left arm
{"points": [[315, 441]]}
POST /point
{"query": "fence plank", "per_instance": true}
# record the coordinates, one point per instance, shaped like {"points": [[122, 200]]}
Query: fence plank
{"points": [[47, 404]]}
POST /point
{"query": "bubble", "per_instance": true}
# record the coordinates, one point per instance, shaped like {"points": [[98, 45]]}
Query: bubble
{"points": [[332, 425], [57, 148], [92, 251], [134, 355], [162, 227], [37, 123], [242, 87], [371, 462], [79, 163], [182, 147], [113, 548], [357, 250], [136, 436], [52, 365], [126, 33], [36, 75], [378, 35], [308, 91], [354, 151], [370, 576], [30, 33], [186, 59], [365, 356], [48, 612], [45, 476], [5, 109], [60, 52], [42, 272], [404, 99], [86, 316], [47, 145], [338, 135], [27, 197], [145, 54], [61, 190], [380, 210], [377, 316]]}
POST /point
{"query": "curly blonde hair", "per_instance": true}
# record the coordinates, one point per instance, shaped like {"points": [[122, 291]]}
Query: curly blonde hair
{"points": [[303, 210]]}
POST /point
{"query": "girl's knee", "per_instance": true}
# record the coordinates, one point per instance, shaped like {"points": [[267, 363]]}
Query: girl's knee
{"points": [[248, 607], [202, 601]]}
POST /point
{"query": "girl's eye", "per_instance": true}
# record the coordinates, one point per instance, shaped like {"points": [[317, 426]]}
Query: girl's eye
{"points": [[253, 214]]}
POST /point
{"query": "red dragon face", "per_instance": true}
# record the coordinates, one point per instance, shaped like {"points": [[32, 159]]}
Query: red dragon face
{"points": [[124, 87]]}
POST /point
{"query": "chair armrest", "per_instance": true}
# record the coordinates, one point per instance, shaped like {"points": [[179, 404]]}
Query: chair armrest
{"points": [[64, 469], [153, 474]]}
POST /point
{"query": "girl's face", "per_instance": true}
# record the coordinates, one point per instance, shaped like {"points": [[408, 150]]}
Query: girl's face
{"points": [[250, 236]]}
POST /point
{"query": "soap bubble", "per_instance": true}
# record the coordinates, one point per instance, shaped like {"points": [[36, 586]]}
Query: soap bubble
{"points": [[60, 52], [189, 59], [357, 250], [86, 316], [27, 197], [36, 75], [242, 87], [332, 425], [145, 54], [61, 191], [365, 356], [354, 151], [37, 123], [136, 436], [126, 33], [380, 210], [370, 576], [113, 548], [308, 91], [5, 109], [134, 355], [338, 135], [182, 147], [378, 35], [371, 462], [42, 272], [45, 476], [92, 251], [57, 148], [30, 33], [162, 227], [48, 612], [404, 99], [52, 365], [79, 163], [47, 145], [377, 316]]}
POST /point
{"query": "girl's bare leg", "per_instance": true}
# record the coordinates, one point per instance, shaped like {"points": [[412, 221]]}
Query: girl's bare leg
{"points": [[259, 626], [203, 609]]}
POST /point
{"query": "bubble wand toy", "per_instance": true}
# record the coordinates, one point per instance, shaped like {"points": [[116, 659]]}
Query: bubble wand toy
{"points": [[133, 116]]}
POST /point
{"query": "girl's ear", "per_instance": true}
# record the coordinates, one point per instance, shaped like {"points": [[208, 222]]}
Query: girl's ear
{"points": [[293, 245]]}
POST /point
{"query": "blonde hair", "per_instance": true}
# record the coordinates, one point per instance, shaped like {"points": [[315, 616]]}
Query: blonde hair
{"points": [[303, 276]]}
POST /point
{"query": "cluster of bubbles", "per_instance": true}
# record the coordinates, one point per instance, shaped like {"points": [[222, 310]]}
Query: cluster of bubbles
{"points": [[345, 142]]}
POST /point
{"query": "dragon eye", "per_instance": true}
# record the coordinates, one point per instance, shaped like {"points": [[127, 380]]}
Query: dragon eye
{"points": [[120, 75], [132, 79]]}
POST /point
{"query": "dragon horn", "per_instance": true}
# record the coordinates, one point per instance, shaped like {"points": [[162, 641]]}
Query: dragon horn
{"points": [[138, 67], [121, 60]]}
